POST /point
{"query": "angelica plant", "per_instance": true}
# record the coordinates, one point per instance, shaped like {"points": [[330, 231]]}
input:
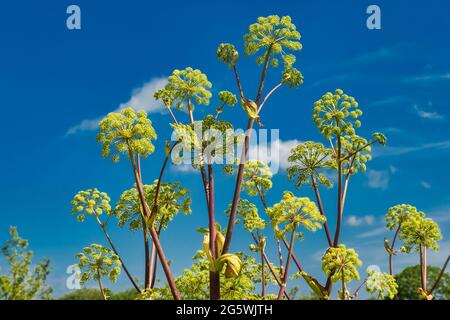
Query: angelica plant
{"points": [[208, 140], [257, 182], [395, 217], [308, 162], [186, 88], [23, 281], [337, 117], [93, 202], [131, 133], [173, 199], [286, 216], [270, 37], [96, 262], [340, 264], [194, 281], [381, 284], [419, 234]]}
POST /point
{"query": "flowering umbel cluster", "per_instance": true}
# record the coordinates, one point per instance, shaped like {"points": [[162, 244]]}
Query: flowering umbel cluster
{"points": [[91, 201], [186, 87], [381, 284], [249, 213], [173, 198], [257, 178], [294, 211], [337, 114], [126, 132], [97, 261], [341, 264], [309, 160]]}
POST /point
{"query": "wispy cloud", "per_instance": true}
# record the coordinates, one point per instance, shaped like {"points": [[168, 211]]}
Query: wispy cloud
{"points": [[431, 115], [372, 233], [141, 99], [375, 55], [378, 179], [429, 77], [389, 101], [342, 75], [396, 151], [440, 214], [355, 221], [425, 185], [337, 79]]}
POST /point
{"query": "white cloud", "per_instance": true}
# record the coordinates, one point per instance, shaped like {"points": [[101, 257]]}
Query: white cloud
{"points": [[356, 221], [141, 99], [274, 154], [378, 179], [183, 168], [430, 115], [372, 233], [85, 125], [425, 185], [395, 151]]}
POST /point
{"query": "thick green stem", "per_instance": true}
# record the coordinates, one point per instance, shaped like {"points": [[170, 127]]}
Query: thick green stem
{"points": [[153, 264], [263, 275], [148, 265], [288, 260], [339, 195], [244, 157], [321, 209], [391, 269], [423, 267], [344, 289], [264, 203], [214, 278], [101, 286], [274, 274], [271, 269], [149, 215], [111, 244]]}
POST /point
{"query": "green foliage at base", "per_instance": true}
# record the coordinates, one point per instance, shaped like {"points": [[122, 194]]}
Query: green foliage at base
{"points": [[95, 294], [22, 282], [409, 280]]}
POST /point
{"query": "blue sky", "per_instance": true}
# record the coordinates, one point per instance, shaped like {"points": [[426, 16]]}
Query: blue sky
{"points": [[51, 79]]}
